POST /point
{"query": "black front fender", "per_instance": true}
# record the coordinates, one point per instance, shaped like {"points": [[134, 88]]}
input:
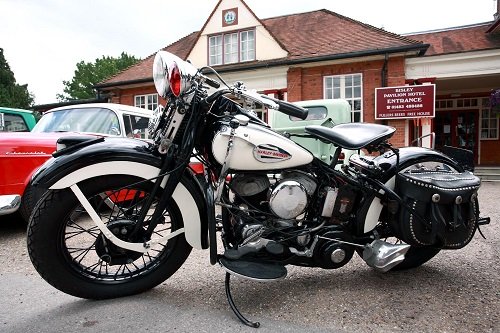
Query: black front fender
{"points": [[114, 156], [109, 149]]}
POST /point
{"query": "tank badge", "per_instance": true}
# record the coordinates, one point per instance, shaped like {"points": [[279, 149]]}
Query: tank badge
{"points": [[270, 154]]}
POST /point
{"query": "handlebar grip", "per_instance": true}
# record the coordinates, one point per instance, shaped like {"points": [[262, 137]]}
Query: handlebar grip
{"points": [[289, 108], [293, 110], [212, 83]]}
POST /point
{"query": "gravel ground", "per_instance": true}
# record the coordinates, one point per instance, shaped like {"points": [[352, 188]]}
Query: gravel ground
{"points": [[457, 291]]}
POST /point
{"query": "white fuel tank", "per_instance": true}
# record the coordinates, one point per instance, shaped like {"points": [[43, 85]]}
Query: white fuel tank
{"points": [[258, 148]]}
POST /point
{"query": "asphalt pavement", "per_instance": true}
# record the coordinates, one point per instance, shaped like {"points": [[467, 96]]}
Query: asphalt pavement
{"points": [[457, 291]]}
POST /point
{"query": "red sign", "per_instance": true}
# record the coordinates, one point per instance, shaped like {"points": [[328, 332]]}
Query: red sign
{"points": [[405, 102]]}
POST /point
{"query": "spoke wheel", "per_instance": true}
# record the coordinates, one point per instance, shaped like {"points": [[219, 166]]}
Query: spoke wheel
{"points": [[72, 253]]}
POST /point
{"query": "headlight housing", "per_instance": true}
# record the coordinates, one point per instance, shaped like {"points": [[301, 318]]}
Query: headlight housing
{"points": [[171, 74]]}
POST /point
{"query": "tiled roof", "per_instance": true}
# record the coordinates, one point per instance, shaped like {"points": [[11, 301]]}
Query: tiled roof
{"points": [[459, 39], [316, 34], [143, 70], [323, 32]]}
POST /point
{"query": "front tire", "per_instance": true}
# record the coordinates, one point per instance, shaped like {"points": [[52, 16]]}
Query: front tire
{"points": [[71, 253]]}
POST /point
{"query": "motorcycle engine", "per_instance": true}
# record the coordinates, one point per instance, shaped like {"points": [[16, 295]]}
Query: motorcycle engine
{"points": [[287, 198], [259, 198]]}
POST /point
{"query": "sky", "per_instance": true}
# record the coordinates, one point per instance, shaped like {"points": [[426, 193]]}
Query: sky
{"points": [[43, 40]]}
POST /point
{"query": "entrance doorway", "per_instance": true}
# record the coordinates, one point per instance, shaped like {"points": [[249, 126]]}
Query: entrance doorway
{"points": [[457, 129]]}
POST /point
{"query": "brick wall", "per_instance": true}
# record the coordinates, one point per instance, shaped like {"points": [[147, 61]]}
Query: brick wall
{"points": [[307, 84], [127, 96]]}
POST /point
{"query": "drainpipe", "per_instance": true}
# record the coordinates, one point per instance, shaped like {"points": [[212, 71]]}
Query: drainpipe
{"points": [[383, 73], [383, 78]]}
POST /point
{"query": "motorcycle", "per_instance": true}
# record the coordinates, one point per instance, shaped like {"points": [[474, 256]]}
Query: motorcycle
{"points": [[119, 216]]}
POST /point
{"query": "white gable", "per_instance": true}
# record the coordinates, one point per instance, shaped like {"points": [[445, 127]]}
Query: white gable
{"points": [[234, 15]]}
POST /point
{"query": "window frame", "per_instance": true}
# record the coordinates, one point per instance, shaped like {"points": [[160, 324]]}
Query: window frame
{"points": [[221, 37], [149, 100], [13, 123], [330, 91], [485, 109], [480, 103]]}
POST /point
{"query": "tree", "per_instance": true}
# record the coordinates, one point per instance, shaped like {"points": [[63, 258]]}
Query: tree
{"points": [[12, 94], [88, 74]]}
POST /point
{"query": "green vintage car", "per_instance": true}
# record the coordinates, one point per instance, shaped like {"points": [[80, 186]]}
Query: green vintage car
{"points": [[16, 120], [326, 112]]}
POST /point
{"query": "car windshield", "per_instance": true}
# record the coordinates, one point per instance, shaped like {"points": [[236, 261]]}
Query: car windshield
{"points": [[91, 120]]}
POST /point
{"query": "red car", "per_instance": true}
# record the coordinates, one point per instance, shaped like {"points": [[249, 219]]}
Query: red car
{"points": [[22, 153]]}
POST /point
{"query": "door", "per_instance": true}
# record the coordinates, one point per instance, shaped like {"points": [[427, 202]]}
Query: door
{"points": [[457, 129]]}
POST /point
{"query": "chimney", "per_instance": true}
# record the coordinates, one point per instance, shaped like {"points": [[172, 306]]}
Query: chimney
{"points": [[497, 14]]}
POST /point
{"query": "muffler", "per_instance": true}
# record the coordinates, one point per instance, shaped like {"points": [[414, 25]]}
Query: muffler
{"points": [[383, 256]]}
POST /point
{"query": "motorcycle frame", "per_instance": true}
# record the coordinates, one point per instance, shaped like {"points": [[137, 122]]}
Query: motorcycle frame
{"points": [[138, 159]]}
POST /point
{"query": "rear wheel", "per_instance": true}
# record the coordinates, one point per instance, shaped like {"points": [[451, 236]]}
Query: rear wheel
{"points": [[416, 255], [72, 254]]}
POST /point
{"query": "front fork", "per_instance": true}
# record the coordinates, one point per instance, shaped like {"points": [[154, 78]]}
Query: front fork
{"points": [[172, 180]]}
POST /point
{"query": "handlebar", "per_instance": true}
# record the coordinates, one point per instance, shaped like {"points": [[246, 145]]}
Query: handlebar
{"points": [[269, 102], [211, 82], [289, 108]]}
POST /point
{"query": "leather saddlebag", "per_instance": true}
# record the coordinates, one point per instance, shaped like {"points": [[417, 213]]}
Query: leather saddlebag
{"points": [[440, 208]]}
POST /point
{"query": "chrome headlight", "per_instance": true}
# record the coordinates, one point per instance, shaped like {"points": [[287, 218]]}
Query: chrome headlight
{"points": [[172, 74]]}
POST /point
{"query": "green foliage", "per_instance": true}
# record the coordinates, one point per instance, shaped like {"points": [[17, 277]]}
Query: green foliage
{"points": [[88, 74], [12, 94]]}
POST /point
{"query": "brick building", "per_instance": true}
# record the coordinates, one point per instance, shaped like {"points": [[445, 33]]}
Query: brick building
{"points": [[322, 54]]}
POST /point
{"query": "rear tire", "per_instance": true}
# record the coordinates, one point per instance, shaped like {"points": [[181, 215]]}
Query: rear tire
{"points": [[70, 252], [416, 257]]}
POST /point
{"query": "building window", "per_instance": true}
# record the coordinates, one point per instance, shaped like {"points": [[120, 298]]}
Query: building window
{"points": [[215, 50], [231, 47], [489, 121], [348, 87], [247, 45], [149, 102]]}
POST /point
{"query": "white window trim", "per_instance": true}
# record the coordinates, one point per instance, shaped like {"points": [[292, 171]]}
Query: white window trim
{"points": [[481, 109], [146, 104], [342, 92], [215, 47], [239, 47], [479, 106]]}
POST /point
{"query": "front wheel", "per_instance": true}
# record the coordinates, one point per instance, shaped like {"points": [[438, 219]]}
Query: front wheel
{"points": [[71, 253]]}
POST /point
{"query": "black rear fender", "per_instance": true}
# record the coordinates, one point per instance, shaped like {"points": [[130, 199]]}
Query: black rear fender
{"points": [[369, 213]]}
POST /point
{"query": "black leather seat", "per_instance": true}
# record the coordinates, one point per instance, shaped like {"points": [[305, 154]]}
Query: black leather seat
{"points": [[352, 135]]}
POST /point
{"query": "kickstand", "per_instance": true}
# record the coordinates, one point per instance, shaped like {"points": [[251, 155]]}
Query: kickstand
{"points": [[234, 308]]}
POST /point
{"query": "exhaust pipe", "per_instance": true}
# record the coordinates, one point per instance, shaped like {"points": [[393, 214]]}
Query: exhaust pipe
{"points": [[383, 256]]}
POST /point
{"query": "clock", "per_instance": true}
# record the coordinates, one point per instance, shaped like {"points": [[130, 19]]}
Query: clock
{"points": [[230, 17]]}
